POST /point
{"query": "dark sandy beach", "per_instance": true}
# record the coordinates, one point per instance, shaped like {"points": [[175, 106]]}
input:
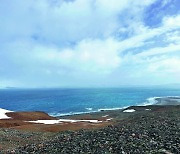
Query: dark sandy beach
{"points": [[142, 129]]}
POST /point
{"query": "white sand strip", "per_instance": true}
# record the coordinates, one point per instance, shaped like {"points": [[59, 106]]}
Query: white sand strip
{"points": [[109, 119], [105, 116], [129, 110], [3, 114], [50, 122], [63, 120], [69, 120]]}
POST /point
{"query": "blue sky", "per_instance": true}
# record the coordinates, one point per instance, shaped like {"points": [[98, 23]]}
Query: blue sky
{"points": [[89, 43]]}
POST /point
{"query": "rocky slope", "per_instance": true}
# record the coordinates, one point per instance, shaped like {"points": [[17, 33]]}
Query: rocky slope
{"points": [[154, 131]]}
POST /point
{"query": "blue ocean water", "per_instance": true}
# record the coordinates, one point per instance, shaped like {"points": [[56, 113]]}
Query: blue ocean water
{"points": [[72, 101]]}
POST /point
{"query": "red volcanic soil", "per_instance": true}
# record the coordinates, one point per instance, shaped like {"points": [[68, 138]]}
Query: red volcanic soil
{"points": [[19, 121], [62, 126], [21, 118], [30, 116]]}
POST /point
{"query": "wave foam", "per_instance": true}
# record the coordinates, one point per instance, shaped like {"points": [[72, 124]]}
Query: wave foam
{"points": [[85, 112], [69, 113], [153, 100], [149, 101], [89, 109]]}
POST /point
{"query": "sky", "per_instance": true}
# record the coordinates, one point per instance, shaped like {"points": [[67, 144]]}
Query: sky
{"points": [[89, 43]]}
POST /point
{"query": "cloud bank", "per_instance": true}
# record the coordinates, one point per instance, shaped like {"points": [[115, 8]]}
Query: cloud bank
{"points": [[77, 43]]}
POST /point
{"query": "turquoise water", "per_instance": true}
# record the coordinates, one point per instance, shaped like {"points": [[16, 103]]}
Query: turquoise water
{"points": [[72, 101]]}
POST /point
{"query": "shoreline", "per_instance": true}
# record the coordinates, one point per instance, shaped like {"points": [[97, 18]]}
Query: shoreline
{"points": [[167, 100], [163, 100], [150, 101], [18, 135], [100, 118], [148, 129]]}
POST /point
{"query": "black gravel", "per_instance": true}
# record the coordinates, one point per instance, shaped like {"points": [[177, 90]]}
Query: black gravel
{"points": [[153, 132]]}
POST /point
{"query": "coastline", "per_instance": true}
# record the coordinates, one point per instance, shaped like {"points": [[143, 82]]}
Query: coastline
{"points": [[149, 101], [96, 116], [167, 100], [143, 131], [18, 126]]}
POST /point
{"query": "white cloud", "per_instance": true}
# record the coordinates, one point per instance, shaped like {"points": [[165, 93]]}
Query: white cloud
{"points": [[159, 50], [93, 38], [95, 56], [169, 65], [66, 22], [172, 22]]}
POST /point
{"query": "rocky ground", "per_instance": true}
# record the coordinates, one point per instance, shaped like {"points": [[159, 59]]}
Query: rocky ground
{"points": [[156, 130]]}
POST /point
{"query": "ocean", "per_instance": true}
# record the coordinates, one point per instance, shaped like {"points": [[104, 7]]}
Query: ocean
{"points": [[59, 102]]}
